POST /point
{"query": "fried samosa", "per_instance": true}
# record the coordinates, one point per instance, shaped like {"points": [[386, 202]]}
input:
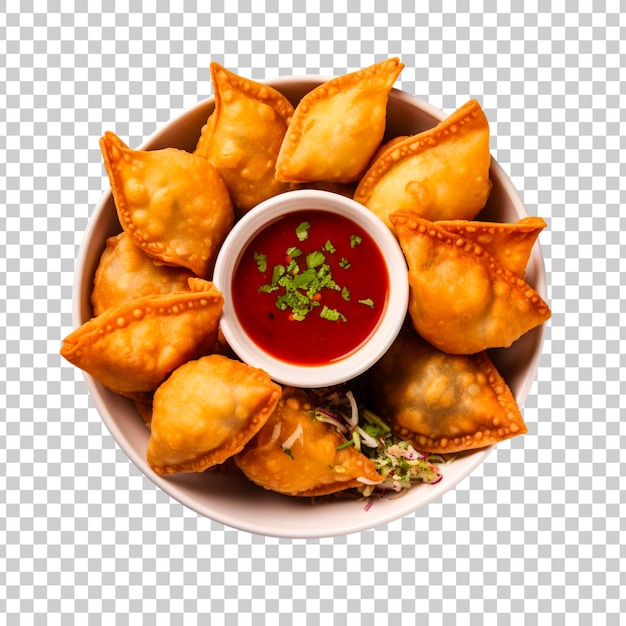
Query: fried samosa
{"points": [[338, 126], [461, 299], [174, 205], [243, 136], [126, 273], [206, 411], [441, 173], [295, 454], [442, 402], [133, 347], [510, 244]]}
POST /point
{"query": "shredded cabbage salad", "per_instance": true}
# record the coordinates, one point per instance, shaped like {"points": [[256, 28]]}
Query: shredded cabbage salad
{"points": [[396, 460]]}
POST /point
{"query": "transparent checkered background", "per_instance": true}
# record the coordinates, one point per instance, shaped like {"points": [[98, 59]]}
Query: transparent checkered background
{"points": [[537, 532]]}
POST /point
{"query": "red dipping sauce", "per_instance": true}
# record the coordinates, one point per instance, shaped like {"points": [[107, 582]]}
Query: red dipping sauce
{"points": [[312, 294]]}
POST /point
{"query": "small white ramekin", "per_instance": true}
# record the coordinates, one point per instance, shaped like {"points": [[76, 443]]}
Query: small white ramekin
{"points": [[361, 359]]}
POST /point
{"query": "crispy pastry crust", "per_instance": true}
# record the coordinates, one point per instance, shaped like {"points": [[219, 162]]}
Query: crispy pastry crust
{"points": [[442, 173], [243, 136], [311, 465], [462, 300], [131, 348], [441, 402], [510, 244], [126, 273], [206, 411], [174, 205], [338, 126]]}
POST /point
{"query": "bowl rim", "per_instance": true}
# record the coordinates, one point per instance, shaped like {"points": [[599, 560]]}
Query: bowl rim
{"points": [[388, 326], [101, 397]]}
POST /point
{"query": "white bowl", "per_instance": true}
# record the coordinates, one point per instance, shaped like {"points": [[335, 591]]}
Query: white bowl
{"points": [[231, 499], [364, 355]]}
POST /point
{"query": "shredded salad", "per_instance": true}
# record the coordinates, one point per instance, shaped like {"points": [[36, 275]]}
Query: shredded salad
{"points": [[396, 460]]}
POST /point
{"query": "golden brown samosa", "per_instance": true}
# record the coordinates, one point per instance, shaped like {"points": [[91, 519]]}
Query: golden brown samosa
{"points": [[126, 273], [206, 411], [442, 402], [338, 126], [295, 454], [461, 299], [174, 205], [243, 135], [510, 244], [133, 347], [441, 173]]}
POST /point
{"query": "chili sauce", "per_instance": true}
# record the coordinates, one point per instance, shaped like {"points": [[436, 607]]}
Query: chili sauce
{"points": [[311, 287]]}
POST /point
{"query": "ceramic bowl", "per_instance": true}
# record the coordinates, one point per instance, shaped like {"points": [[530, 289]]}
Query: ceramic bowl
{"points": [[231, 499]]}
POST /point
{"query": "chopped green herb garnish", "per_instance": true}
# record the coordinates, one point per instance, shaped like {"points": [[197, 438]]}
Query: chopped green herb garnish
{"points": [[332, 315], [326, 279], [288, 452], [301, 286], [292, 267], [355, 240], [261, 261], [397, 462], [367, 302], [300, 280], [267, 288], [373, 420], [315, 259], [294, 300], [302, 231], [347, 444], [293, 252], [277, 272]]}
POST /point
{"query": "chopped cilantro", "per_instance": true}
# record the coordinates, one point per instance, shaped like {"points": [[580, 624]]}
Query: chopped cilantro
{"points": [[277, 272], [293, 252], [261, 261], [302, 280], [288, 452], [302, 231], [332, 315], [301, 286], [399, 465], [326, 279], [267, 288], [355, 240], [294, 300], [315, 259]]}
